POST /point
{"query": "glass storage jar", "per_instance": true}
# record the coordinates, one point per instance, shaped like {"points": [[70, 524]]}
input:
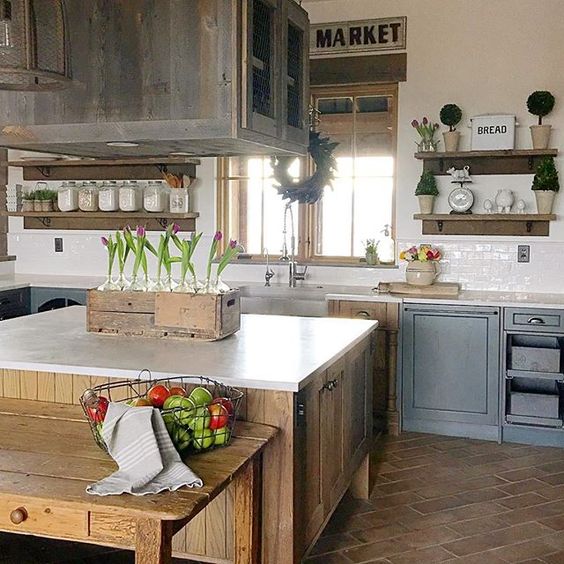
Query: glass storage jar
{"points": [[88, 197], [130, 196], [67, 197], [154, 197], [108, 199], [179, 201]]}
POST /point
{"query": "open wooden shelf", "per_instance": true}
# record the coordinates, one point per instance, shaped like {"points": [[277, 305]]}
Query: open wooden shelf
{"points": [[105, 220], [517, 161], [525, 225], [106, 169]]}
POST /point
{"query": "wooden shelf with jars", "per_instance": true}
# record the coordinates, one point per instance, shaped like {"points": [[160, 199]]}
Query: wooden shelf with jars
{"points": [[107, 221]]}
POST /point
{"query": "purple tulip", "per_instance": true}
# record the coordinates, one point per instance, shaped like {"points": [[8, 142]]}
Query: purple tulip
{"points": [[425, 121], [175, 228], [105, 241], [218, 236], [414, 123], [140, 231], [232, 244]]}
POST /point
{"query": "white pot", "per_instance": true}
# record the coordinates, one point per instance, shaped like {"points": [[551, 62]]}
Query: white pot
{"points": [[426, 204], [541, 136], [451, 141], [422, 273], [545, 201]]}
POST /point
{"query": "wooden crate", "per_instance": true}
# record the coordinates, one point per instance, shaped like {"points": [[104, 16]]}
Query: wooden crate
{"points": [[164, 314]]}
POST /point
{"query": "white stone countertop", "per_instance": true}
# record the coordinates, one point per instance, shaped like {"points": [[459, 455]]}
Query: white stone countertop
{"points": [[269, 352], [16, 281]]}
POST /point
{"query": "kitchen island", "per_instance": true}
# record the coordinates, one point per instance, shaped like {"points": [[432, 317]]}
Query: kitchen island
{"points": [[309, 377]]}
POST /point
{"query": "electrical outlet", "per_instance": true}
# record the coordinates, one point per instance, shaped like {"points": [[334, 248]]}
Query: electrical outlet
{"points": [[58, 244], [523, 253]]}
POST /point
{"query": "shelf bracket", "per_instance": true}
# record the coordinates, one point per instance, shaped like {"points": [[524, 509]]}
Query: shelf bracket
{"points": [[163, 169], [531, 163], [442, 165], [440, 226], [45, 171], [46, 221], [163, 222], [529, 226]]}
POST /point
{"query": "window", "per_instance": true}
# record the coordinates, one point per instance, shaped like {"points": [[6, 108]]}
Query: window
{"points": [[361, 203]]}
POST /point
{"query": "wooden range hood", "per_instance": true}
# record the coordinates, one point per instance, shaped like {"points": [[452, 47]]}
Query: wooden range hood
{"points": [[189, 77]]}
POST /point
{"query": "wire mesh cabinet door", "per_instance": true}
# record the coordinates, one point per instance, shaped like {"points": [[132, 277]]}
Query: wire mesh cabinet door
{"points": [[295, 73]]}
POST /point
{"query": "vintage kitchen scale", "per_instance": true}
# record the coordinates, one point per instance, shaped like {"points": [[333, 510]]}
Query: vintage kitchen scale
{"points": [[461, 199]]}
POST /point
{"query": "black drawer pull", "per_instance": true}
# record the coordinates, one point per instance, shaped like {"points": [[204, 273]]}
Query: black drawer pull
{"points": [[4, 302], [535, 321]]}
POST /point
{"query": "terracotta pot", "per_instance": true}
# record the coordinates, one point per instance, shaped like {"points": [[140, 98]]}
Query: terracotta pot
{"points": [[451, 141], [422, 273], [545, 201], [541, 136], [28, 206], [426, 204]]}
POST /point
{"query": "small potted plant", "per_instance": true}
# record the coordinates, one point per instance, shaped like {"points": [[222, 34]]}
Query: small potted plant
{"points": [[426, 192], [450, 116], [422, 265], [545, 185], [426, 130], [540, 104], [45, 200], [370, 252], [28, 201]]}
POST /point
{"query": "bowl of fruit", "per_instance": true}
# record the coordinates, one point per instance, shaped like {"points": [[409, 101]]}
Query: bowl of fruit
{"points": [[199, 413]]}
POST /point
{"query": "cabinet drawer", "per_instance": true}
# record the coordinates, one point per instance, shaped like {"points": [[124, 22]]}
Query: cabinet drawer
{"points": [[385, 313], [14, 299], [534, 405], [534, 320], [42, 518]]}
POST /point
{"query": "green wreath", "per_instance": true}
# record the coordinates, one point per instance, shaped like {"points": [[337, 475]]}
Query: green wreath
{"points": [[309, 190]]}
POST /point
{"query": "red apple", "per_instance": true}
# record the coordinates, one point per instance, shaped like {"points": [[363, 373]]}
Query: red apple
{"points": [[177, 391], [140, 402], [219, 416], [158, 394], [227, 403], [98, 413]]}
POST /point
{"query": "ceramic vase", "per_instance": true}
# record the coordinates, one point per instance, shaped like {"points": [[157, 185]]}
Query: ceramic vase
{"points": [[545, 201], [426, 204], [420, 273], [541, 136], [451, 139]]}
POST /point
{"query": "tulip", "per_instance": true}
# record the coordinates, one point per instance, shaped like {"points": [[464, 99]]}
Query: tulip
{"points": [[175, 228], [414, 123], [425, 121], [104, 241], [140, 231], [218, 236], [232, 244]]}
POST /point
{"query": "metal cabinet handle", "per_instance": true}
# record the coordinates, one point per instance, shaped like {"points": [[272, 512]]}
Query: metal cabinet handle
{"points": [[535, 321], [331, 385], [18, 515], [363, 314]]}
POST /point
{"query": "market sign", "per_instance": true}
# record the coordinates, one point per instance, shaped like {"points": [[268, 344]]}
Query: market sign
{"points": [[362, 36]]}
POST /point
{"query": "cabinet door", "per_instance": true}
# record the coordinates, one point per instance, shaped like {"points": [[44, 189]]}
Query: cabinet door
{"points": [[260, 66], [451, 365], [332, 446], [295, 73]]}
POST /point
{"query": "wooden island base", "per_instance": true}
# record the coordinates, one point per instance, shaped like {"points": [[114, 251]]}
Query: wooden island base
{"points": [[324, 438]]}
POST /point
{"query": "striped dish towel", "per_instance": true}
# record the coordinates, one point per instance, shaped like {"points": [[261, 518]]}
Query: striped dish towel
{"points": [[138, 441]]}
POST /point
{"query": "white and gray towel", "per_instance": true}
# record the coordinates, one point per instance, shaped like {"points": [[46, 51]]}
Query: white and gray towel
{"points": [[138, 441]]}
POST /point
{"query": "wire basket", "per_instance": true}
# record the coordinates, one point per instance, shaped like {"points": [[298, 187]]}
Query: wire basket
{"points": [[200, 420]]}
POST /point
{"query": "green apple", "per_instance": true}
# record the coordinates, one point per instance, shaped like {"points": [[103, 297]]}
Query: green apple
{"points": [[182, 438], [201, 396], [173, 401], [221, 436], [203, 439], [170, 422], [200, 418]]}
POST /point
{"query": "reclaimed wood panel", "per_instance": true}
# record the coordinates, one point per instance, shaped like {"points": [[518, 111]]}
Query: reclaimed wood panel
{"points": [[46, 386]]}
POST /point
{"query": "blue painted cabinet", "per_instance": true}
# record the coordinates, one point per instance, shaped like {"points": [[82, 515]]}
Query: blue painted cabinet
{"points": [[450, 365]]}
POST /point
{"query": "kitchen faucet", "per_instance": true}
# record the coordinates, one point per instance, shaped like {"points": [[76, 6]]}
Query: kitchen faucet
{"points": [[295, 273], [269, 274]]}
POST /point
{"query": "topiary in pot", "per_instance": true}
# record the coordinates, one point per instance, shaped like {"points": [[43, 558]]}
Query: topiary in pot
{"points": [[450, 116], [545, 185], [426, 192], [540, 104]]}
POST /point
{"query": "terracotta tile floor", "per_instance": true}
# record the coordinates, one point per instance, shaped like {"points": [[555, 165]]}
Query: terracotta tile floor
{"points": [[445, 499], [436, 499]]}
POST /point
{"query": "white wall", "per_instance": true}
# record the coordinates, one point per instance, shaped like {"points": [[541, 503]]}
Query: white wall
{"points": [[486, 57]]}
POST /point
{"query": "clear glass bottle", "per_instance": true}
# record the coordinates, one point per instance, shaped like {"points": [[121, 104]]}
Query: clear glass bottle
{"points": [[67, 197], [108, 199], [386, 247], [88, 197], [179, 200], [130, 196], [154, 197]]}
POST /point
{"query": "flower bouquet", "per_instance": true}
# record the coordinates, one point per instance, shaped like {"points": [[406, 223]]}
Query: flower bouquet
{"points": [[422, 264], [426, 130]]}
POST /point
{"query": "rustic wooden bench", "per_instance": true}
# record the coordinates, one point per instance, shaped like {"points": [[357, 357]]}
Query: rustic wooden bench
{"points": [[48, 456]]}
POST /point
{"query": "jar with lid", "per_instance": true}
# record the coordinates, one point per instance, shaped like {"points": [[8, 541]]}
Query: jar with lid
{"points": [[130, 196], [154, 197], [88, 197], [67, 197], [179, 201], [108, 199]]}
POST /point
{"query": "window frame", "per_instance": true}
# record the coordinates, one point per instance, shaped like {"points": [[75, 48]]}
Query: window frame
{"points": [[307, 232]]}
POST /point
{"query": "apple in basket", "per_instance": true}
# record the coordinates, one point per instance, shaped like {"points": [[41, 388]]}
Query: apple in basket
{"points": [[181, 438], [97, 413], [158, 394], [219, 416], [139, 402], [177, 391], [203, 439], [227, 403], [201, 396], [200, 419], [221, 436]]}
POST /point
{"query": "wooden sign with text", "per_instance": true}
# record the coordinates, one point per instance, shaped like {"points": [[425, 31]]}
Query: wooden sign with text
{"points": [[382, 34]]}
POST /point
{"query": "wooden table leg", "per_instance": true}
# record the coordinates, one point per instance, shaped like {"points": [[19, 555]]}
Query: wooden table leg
{"points": [[153, 542], [247, 510]]}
